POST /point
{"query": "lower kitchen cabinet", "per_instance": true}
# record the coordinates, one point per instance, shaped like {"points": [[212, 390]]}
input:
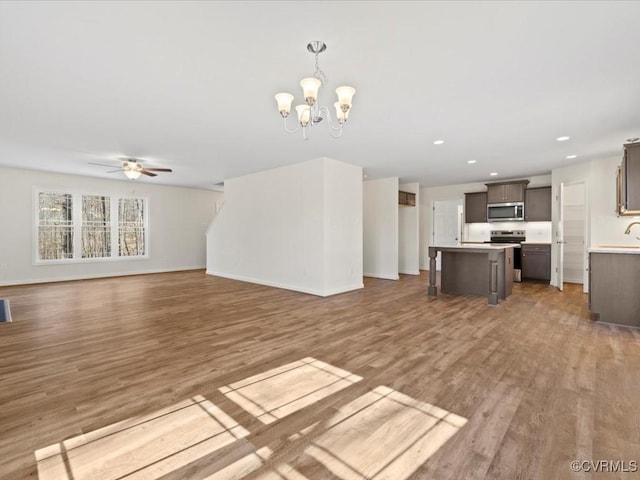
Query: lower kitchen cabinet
{"points": [[536, 261], [613, 287]]}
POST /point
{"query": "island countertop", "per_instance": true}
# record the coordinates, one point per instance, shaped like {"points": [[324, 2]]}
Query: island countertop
{"points": [[475, 246], [615, 249]]}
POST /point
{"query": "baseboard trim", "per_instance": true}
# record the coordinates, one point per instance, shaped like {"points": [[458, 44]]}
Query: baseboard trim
{"points": [[412, 272], [384, 277], [295, 288]]}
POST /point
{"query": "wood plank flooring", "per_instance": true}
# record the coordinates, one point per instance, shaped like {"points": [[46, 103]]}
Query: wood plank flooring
{"points": [[390, 383]]}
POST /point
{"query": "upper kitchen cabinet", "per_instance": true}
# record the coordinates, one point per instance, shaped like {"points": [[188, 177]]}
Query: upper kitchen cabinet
{"points": [[628, 181], [537, 204], [475, 207], [505, 192], [407, 199]]}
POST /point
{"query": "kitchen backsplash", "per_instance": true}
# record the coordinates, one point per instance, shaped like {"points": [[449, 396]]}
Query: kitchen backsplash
{"points": [[481, 232]]}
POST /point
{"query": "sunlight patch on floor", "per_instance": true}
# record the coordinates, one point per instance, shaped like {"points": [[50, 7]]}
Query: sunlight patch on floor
{"points": [[281, 391], [147, 446], [383, 434]]}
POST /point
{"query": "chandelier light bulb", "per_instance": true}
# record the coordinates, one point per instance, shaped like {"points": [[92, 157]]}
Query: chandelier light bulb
{"points": [[284, 103], [341, 115], [345, 96], [310, 87], [304, 114]]}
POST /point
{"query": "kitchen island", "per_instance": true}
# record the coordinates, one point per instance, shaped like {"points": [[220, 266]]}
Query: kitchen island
{"points": [[473, 269]]}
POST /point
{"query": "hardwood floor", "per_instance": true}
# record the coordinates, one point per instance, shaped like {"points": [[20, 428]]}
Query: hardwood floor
{"points": [[182, 375]]}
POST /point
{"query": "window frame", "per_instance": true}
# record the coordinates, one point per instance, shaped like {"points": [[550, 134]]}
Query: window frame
{"points": [[76, 198]]}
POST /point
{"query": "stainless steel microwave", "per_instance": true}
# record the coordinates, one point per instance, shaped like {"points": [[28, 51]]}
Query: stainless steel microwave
{"points": [[505, 212]]}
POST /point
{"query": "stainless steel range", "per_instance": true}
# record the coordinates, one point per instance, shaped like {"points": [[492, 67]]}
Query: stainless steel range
{"points": [[516, 237]]}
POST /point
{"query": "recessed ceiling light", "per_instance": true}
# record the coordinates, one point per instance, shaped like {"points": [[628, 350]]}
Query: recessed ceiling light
{"points": [[438, 142], [493, 174], [562, 139], [471, 161], [569, 157]]}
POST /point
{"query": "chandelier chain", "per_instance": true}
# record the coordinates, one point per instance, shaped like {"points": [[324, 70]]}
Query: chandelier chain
{"points": [[319, 74]]}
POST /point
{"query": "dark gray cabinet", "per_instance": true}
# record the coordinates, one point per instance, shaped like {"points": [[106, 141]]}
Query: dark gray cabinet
{"points": [[537, 204], [536, 261], [628, 181], [475, 207], [407, 199], [613, 287], [504, 192]]}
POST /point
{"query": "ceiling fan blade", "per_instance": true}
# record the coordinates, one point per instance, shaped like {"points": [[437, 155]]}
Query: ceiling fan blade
{"points": [[119, 170], [147, 173], [103, 165], [158, 169]]}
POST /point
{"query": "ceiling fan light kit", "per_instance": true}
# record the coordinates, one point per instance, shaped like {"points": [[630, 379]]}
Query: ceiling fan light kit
{"points": [[309, 113], [132, 169]]}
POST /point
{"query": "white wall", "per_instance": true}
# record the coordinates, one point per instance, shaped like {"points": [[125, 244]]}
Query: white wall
{"points": [[408, 233], [380, 226], [289, 227], [606, 227], [178, 219], [343, 237], [454, 192]]}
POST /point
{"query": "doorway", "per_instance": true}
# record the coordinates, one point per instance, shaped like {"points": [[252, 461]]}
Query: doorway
{"points": [[574, 220], [447, 224]]}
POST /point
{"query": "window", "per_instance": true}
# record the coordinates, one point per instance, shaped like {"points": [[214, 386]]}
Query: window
{"points": [[75, 227], [55, 226], [96, 226], [131, 227]]}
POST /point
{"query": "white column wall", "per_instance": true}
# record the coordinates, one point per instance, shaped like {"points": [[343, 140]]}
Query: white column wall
{"points": [[408, 233], [380, 209], [343, 227]]}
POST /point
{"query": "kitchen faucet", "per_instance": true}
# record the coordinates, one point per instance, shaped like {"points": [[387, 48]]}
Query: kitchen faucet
{"points": [[628, 230]]}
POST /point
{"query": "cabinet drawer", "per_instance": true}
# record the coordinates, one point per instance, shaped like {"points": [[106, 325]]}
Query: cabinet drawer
{"points": [[536, 247]]}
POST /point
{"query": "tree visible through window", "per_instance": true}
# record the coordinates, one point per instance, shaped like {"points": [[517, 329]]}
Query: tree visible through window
{"points": [[96, 226], [131, 227], [55, 226]]}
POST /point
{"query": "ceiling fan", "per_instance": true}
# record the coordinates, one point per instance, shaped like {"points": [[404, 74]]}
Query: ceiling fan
{"points": [[132, 169]]}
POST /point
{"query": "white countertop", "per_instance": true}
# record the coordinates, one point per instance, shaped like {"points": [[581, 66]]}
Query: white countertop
{"points": [[533, 242], [614, 249], [477, 246]]}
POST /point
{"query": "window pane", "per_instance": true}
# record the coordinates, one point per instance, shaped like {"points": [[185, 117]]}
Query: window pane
{"points": [[96, 226], [131, 231], [55, 226]]}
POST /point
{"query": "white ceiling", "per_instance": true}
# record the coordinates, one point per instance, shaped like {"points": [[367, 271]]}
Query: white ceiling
{"points": [[190, 85]]}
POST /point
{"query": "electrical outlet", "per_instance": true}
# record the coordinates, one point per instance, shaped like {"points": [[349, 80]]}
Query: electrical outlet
{"points": [[3, 266]]}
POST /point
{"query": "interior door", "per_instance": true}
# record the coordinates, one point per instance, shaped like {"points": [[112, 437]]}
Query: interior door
{"points": [[560, 238], [446, 223]]}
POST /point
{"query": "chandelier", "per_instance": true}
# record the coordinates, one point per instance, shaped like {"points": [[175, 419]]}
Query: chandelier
{"points": [[310, 113]]}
